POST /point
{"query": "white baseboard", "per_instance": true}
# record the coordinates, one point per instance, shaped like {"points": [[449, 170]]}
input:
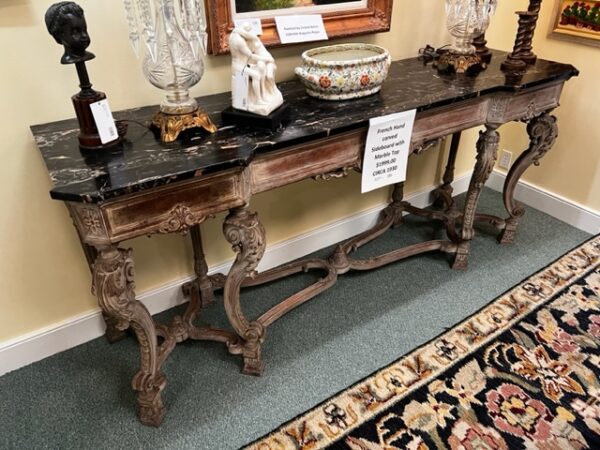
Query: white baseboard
{"points": [[40, 344], [554, 205]]}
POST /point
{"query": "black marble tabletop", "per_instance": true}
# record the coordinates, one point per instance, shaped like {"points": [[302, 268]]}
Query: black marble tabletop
{"points": [[143, 162]]}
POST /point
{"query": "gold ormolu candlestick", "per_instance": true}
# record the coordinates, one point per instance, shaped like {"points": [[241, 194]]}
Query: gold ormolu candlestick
{"points": [[534, 8]]}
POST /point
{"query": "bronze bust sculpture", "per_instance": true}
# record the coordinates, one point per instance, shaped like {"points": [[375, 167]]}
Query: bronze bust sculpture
{"points": [[66, 23]]}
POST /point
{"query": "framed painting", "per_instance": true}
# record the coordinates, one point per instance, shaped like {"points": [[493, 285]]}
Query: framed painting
{"points": [[342, 18], [577, 21]]}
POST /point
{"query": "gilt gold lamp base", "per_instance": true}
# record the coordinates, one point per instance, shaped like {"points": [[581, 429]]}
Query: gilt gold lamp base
{"points": [[171, 125], [452, 62]]}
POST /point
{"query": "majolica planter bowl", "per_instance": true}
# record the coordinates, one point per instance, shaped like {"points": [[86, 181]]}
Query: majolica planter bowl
{"points": [[345, 71]]}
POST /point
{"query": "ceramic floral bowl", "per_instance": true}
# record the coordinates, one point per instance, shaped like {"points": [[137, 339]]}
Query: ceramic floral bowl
{"points": [[345, 71]]}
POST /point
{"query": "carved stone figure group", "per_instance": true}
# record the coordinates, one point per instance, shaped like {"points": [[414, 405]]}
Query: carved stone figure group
{"points": [[249, 57]]}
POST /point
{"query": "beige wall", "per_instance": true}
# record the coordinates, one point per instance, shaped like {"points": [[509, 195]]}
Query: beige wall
{"points": [[43, 276], [572, 168]]}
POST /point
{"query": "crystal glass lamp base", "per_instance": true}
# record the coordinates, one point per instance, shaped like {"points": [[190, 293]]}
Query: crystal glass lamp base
{"points": [[178, 101], [462, 46]]}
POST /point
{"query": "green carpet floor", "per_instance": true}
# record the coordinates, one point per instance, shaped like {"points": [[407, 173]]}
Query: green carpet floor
{"points": [[82, 399]]}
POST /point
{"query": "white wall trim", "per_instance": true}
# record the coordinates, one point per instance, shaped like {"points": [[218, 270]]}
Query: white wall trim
{"points": [[42, 343], [550, 203]]}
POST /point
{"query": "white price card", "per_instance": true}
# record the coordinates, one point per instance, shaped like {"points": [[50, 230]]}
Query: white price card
{"points": [[304, 28], [386, 151], [254, 22], [105, 123], [240, 90]]}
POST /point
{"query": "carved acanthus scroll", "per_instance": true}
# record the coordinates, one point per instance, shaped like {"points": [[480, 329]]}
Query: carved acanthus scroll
{"points": [[246, 234], [180, 220], [114, 288], [543, 132], [487, 149]]}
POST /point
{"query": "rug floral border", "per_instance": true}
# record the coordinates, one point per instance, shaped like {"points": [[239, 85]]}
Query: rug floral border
{"points": [[393, 383]]}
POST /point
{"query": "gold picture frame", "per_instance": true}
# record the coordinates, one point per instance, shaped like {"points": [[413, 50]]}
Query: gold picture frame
{"points": [[577, 21], [342, 19]]}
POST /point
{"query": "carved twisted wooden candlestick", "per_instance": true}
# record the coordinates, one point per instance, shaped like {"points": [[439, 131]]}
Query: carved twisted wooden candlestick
{"points": [[522, 52], [514, 61], [534, 8]]}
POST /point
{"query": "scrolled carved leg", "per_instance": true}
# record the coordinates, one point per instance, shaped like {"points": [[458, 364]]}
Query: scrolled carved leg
{"points": [[113, 285], [203, 281], [245, 233], [543, 132], [487, 149], [112, 333]]}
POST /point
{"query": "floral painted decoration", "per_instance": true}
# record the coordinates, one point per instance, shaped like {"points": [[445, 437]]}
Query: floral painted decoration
{"points": [[338, 78]]}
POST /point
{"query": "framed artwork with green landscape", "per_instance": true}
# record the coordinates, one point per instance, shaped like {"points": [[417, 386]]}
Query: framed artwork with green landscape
{"points": [[577, 21], [342, 18]]}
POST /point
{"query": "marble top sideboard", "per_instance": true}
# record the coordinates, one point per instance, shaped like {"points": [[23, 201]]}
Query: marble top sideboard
{"points": [[144, 162], [148, 188]]}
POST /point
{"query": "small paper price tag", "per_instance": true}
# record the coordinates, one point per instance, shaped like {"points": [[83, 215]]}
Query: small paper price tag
{"points": [[240, 90], [105, 123]]}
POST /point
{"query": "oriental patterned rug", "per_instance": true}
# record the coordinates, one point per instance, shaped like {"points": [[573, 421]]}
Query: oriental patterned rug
{"points": [[521, 373]]}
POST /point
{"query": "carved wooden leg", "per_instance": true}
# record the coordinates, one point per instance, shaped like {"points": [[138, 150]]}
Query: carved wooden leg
{"points": [[245, 233], [205, 286], [543, 131], [396, 208], [443, 194], [114, 287], [487, 149], [112, 333]]}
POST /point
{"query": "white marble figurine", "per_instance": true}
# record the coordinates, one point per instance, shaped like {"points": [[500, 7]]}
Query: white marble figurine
{"points": [[249, 56]]}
